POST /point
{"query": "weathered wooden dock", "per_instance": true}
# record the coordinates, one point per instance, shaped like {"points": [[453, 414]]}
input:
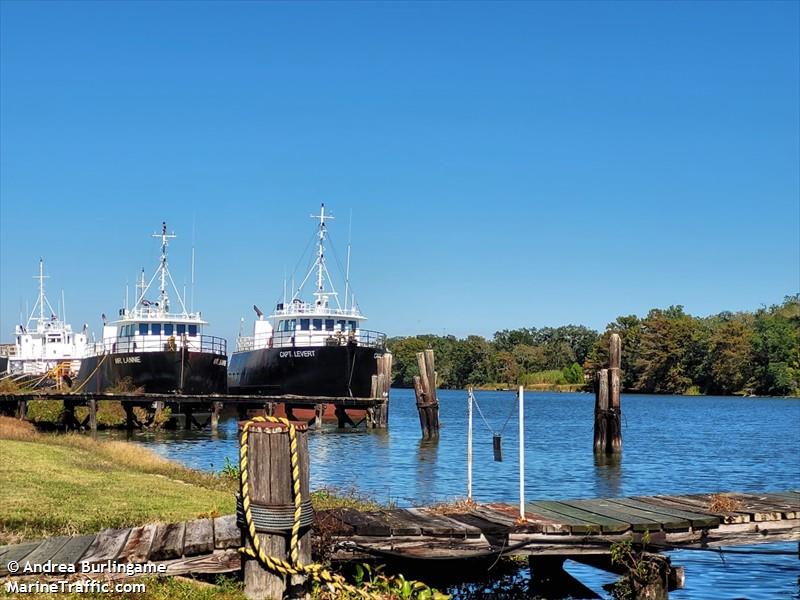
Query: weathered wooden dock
{"points": [[375, 409], [581, 529]]}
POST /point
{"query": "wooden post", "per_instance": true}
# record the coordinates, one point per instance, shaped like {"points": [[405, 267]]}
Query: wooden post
{"points": [[93, 415], [600, 411], [614, 389], [188, 415], [607, 408], [383, 387], [129, 417], [216, 409], [22, 409], [158, 408], [270, 481], [425, 389], [319, 411], [68, 418]]}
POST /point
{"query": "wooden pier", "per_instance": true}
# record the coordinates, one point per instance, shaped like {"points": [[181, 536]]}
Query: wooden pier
{"points": [[375, 409], [553, 531]]}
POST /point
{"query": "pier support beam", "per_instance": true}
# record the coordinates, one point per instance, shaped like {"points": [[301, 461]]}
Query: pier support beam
{"points": [[216, 409], [92, 404], [188, 417], [22, 409], [270, 485]]}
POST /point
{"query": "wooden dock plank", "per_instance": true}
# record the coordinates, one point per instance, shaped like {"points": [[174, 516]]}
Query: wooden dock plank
{"points": [[663, 521], [435, 524], [137, 546], [571, 508], [106, 546], [696, 519], [485, 526], [363, 523], [534, 523], [400, 523], [71, 552], [771, 504], [46, 550], [226, 532], [568, 524], [18, 552], [199, 538], [442, 520], [756, 512], [168, 542], [699, 506]]}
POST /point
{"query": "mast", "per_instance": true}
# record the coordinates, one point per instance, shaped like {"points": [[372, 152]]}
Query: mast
{"points": [[41, 279], [321, 254], [163, 298]]}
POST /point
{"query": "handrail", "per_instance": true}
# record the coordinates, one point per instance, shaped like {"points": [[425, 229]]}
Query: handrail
{"points": [[159, 343], [304, 338]]}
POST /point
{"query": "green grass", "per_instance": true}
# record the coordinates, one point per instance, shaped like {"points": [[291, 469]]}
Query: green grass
{"points": [[71, 484]]}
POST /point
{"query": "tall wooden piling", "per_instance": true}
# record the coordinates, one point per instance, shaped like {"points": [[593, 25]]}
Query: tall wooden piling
{"points": [[271, 494], [607, 408], [425, 390], [216, 410]]}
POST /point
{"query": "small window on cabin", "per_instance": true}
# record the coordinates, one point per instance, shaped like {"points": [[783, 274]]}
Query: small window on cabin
{"points": [[142, 328], [291, 324], [352, 325], [341, 324], [192, 330], [329, 324], [317, 323], [168, 328], [304, 324], [180, 329], [155, 329]]}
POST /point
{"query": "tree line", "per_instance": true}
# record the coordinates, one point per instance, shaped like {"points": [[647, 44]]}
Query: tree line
{"points": [[667, 351]]}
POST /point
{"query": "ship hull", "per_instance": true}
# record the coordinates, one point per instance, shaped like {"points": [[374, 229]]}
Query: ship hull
{"points": [[337, 371], [155, 372]]}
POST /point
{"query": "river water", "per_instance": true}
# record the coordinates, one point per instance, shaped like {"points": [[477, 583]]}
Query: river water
{"points": [[671, 444]]}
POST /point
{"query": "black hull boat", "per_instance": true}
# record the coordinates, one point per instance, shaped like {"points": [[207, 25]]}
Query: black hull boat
{"points": [[316, 348], [155, 373], [338, 371], [152, 349]]}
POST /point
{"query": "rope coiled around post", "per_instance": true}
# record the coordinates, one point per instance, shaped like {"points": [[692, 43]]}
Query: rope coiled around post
{"points": [[279, 565]]}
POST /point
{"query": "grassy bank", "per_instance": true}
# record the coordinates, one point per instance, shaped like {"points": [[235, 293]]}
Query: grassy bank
{"points": [[71, 484]]}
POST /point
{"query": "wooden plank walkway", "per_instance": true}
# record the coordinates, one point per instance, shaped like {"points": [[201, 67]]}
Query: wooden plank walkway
{"points": [[564, 527]]}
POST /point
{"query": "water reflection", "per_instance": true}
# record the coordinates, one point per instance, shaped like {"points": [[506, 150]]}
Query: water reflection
{"points": [[608, 470]]}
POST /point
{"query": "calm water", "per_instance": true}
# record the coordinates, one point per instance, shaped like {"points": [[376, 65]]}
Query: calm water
{"points": [[672, 444]]}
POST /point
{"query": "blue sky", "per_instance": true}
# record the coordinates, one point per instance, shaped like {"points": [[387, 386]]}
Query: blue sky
{"points": [[506, 164]]}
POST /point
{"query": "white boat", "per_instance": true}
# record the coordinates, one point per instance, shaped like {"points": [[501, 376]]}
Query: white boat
{"points": [[46, 341]]}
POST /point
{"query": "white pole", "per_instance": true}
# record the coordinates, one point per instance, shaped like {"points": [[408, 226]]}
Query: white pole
{"points": [[521, 452], [469, 446]]}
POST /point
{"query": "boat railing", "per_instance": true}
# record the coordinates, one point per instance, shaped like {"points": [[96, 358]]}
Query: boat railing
{"points": [[311, 308], [306, 338], [159, 343]]}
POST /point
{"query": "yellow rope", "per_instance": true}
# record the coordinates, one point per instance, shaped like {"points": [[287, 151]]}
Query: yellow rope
{"points": [[278, 565], [85, 381]]}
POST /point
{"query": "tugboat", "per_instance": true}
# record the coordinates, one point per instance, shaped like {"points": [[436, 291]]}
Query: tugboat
{"points": [[153, 350], [317, 348], [45, 344]]}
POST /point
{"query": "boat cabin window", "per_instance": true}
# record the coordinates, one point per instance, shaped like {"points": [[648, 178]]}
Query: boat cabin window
{"points": [[304, 324], [341, 325], [192, 330], [287, 325], [329, 324], [352, 325], [180, 329], [142, 328], [155, 329], [317, 324], [168, 328]]}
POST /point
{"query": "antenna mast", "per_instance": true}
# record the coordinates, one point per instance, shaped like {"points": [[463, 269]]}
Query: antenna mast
{"points": [[321, 254], [163, 300]]}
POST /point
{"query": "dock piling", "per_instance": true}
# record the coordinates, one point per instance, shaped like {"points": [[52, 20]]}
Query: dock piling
{"points": [[607, 408], [269, 474], [425, 390]]}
